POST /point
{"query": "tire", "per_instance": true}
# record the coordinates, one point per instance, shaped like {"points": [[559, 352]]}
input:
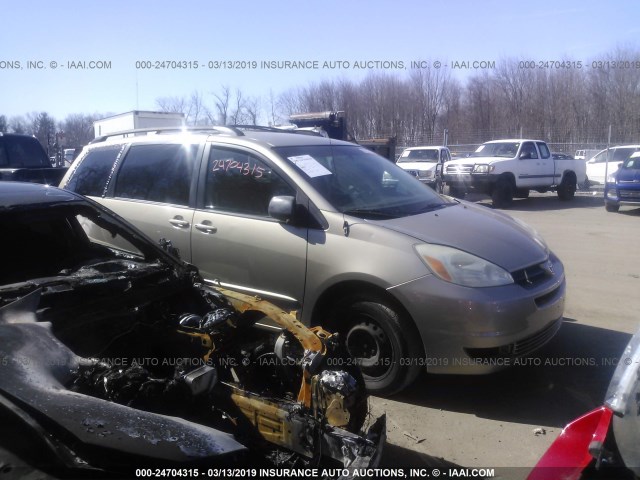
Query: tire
{"points": [[381, 338], [458, 192], [611, 207], [567, 188], [438, 187], [502, 194]]}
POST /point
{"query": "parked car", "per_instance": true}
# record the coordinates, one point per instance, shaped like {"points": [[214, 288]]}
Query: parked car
{"points": [[623, 185], [604, 443], [421, 162], [608, 161], [351, 241], [115, 357], [69, 156], [23, 159], [508, 169]]}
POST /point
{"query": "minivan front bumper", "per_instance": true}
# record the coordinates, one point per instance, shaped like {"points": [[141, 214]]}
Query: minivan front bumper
{"points": [[481, 330]]}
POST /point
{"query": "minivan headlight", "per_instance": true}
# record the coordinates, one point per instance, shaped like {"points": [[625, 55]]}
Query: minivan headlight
{"points": [[462, 268]]}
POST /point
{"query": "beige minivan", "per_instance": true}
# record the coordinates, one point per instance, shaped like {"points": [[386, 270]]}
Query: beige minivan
{"points": [[413, 280]]}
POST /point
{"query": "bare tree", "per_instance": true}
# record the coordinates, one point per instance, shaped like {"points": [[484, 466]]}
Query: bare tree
{"points": [[222, 101], [252, 110], [78, 129], [172, 104], [237, 115], [18, 124], [43, 127]]}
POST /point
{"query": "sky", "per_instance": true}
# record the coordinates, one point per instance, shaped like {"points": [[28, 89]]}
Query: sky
{"points": [[69, 57]]}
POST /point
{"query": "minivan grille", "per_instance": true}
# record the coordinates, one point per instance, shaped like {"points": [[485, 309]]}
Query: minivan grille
{"points": [[533, 275], [520, 348], [535, 341]]}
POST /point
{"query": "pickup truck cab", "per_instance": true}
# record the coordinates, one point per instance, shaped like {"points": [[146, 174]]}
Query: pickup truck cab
{"points": [[421, 162], [23, 159], [623, 185], [507, 169]]}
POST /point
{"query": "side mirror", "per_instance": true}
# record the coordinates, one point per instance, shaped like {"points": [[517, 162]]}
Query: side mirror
{"points": [[525, 156], [282, 208]]}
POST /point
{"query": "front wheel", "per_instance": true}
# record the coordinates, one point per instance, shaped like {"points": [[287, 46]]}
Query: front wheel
{"points": [[439, 187], [455, 191], [384, 343], [611, 207], [502, 194]]}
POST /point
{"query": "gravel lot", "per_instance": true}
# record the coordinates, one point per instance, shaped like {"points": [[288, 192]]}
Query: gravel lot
{"points": [[506, 421]]}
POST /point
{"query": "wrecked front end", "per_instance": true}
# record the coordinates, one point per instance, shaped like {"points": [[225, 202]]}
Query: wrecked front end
{"points": [[108, 371], [114, 357]]}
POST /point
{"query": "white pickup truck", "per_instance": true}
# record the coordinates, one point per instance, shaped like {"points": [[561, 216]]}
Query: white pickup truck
{"points": [[507, 169]]}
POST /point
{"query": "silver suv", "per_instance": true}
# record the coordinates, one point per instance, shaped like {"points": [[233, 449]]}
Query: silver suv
{"points": [[412, 279]]}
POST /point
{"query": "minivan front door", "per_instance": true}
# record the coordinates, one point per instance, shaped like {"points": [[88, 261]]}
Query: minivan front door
{"points": [[233, 238]]}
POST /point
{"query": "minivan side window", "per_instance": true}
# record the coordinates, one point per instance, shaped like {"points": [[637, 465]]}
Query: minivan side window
{"points": [[157, 173], [91, 175], [240, 182]]}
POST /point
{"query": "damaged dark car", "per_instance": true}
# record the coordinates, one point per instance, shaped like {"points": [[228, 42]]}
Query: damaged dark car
{"points": [[115, 356]]}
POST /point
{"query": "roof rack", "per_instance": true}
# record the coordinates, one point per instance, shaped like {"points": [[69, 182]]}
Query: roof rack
{"points": [[225, 130], [233, 130], [282, 129]]}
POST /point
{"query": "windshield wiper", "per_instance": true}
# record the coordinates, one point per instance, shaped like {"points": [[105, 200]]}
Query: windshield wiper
{"points": [[430, 207], [369, 213]]}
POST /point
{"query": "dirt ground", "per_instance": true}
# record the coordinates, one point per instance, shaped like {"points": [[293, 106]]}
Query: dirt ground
{"points": [[505, 421]]}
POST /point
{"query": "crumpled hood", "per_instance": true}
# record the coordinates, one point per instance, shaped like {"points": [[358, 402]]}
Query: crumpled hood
{"points": [[486, 233]]}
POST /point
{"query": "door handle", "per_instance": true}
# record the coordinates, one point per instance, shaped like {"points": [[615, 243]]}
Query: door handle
{"points": [[206, 228], [179, 222]]}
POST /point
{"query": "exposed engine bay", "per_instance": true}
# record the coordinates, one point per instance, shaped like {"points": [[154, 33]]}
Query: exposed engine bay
{"points": [[117, 363]]}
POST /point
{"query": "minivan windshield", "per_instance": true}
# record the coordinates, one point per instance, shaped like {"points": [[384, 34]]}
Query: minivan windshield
{"points": [[361, 183]]}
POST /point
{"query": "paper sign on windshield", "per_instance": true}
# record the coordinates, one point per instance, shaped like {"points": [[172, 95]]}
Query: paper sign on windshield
{"points": [[309, 165]]}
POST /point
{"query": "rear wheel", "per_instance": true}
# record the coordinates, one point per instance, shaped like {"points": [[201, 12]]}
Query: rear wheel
{"points": [[384, 342], [456, 191], [567, 188]]}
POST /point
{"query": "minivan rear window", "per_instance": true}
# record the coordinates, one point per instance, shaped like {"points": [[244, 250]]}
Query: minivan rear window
{"points": [[95, 168], [157, 173]]}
